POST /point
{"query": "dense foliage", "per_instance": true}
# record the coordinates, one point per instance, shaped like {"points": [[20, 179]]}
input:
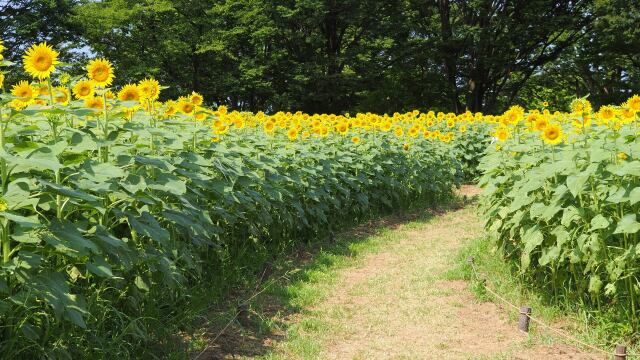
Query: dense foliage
{"points": [[562, 195], [113, 205], [327, 56]]}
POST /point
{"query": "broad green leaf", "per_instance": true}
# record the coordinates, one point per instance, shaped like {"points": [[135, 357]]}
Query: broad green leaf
{"points": [[627, 225]]}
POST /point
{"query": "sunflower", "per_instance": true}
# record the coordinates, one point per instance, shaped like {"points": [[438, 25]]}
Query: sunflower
{"points": [[634, 103], [222, 109], [545, 104], [171, 108], [552, 134], [100, 71], [129, 92], [398, 131], [24, 90], [83, 89], [501, 133], [149, 88], [406, 147], [196, 98], [292, 134], [355, 139], [222, 129], [1, 79], [186, 107], [94, 102], [540, 123], [43, 88], [462, 128], [61, 95], [606, 112], [580, 106], [40, 61], [622, 156], [18, 104], [269, 126], [342, 127]]}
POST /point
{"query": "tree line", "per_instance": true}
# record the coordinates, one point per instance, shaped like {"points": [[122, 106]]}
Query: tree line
{"points": [[339, 56]]}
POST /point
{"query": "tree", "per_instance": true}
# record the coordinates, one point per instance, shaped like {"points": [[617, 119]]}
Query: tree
{"points": [[490, 48]]}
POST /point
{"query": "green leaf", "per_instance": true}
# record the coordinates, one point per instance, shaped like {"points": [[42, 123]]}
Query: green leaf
{"points": [[595, 284], [627, 225], [599, 222], [100, 268], [634, 195]]}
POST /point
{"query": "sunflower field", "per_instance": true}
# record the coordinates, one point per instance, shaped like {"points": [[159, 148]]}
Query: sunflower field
{"points": [[562, 196], [113, 203]]}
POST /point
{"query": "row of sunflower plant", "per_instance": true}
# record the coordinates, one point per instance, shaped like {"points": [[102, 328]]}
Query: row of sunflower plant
{"points": [[562, 195], [113, 204]]}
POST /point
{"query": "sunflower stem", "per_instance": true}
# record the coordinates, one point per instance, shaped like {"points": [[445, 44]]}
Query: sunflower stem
{"points": [[105, 119]]}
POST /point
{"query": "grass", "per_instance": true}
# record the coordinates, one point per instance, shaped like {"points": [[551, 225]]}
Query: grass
{"points": [[292, 311], [302, 277], [502, 277], [305, 295]]}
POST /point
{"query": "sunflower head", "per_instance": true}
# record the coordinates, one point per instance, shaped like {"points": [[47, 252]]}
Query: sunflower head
{"points": [[634, 103], [171, 108], [61, 95], [606, 112], [43, 88], [552, 134], [129, 92], [501, 133], [100, 71], [196, 98], [355, 139], [186, 107], [149, 89], [622, 156], [40, 60], [94, 102], [24, 91], [3, 204], [292, 134], [83, 89], [269, 126]]}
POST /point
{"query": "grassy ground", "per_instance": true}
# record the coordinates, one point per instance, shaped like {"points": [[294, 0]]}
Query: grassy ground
{"points": [[393, 288], [589, 328]]}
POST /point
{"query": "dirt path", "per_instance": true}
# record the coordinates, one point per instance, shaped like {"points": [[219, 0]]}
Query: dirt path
{"points": [[400, 302]]}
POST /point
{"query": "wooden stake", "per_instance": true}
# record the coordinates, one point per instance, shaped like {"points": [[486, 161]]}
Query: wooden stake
{"points": [[243, 315], [523, 322], [621, 352]]}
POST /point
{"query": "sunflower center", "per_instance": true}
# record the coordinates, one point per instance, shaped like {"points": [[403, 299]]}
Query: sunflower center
{"points": [[42, 62], [552, 134], [100, 74], [130, 95]]}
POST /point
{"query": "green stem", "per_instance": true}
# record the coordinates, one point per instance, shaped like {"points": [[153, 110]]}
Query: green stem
{"points": [[6, 244], [105, 119], [58, 197]]}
